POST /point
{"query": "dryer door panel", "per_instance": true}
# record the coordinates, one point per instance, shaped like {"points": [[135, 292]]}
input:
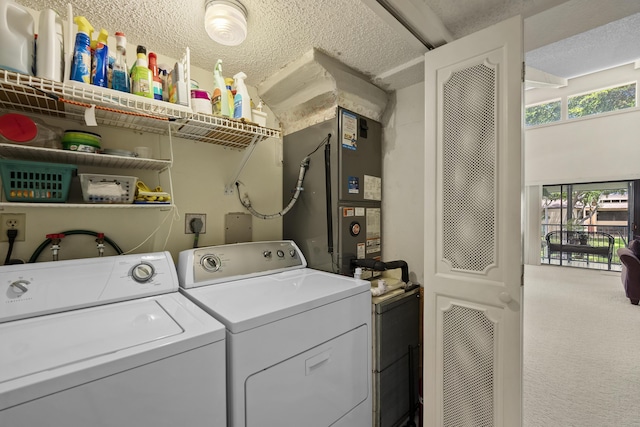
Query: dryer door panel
{"points": [[314, 388]]}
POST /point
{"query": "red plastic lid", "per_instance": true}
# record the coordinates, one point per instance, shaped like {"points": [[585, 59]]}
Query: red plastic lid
{"points": [[17, 128]]}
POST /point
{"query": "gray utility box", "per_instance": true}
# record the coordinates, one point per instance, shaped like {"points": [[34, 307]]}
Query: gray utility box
{"points": [[396, 350]]}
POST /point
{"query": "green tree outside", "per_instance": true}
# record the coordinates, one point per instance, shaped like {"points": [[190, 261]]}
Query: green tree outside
{"points": [[542, 113], [616, 98]]}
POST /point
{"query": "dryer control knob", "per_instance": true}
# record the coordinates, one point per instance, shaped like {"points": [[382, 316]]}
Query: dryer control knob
{"points": [[266, 254], [292, 252], [210, 263], [19, 287], [280, 253], [142, 272]]}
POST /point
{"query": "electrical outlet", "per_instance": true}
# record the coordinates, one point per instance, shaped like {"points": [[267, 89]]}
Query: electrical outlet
{"points": [[187, 222], [16, 221]]}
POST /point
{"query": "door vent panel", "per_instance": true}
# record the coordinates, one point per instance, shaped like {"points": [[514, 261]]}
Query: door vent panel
{"points": [[468, 337], [469, 156]]}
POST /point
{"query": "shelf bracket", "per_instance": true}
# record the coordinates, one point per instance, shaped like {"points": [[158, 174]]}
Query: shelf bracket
{"points": [[229, 188]]}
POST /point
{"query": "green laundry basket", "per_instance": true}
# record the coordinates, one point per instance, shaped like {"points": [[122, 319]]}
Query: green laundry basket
{"points": [[27, 181]]}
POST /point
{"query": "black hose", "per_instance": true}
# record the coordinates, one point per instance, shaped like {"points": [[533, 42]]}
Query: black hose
{"points": [[8, 258], [376, 265], [47, 242], [327, 183]]}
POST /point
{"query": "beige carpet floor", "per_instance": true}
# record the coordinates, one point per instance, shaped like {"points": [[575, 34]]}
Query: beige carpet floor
{"points": [[581, 349]]}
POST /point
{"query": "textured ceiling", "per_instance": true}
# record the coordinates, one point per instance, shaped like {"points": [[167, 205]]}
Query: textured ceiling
{"points": [[356, 32], [279, 32], [603, 47]]}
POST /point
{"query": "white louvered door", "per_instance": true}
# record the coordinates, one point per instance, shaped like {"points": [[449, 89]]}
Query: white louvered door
{"points": [[473, 237]]}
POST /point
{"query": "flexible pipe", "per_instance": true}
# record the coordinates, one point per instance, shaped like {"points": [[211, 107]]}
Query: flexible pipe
{"points": [[44, 244], [247, 203]]}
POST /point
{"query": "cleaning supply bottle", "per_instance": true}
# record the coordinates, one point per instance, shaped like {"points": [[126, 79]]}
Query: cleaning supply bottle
{"points": [[49, 46], [220, 102], [163, 71], [157, 82], [16, 36], [242, 101], [141, 77], [121, 80], [178, 89], [100, 62], [230, 94], [112, 61], [81, 65]]}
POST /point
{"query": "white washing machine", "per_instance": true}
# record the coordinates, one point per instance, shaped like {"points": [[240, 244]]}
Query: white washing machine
{"points": [[298, 340], [106, 342]]}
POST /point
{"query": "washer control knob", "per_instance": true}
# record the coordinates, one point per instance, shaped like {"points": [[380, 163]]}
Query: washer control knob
{"points": [[266, 254], [280, 253], [19, 287], [292, 252], [142, 272], [210, 263]]}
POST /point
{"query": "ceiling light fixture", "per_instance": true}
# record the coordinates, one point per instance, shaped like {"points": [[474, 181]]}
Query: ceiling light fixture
{"points": [[226, 21]]}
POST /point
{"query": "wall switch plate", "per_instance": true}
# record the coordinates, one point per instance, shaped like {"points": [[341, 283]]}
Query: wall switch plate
{"points": [[16, 221], [187, 222]]}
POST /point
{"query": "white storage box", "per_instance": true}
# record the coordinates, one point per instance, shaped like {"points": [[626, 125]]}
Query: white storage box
{"points": [[108, 188]]}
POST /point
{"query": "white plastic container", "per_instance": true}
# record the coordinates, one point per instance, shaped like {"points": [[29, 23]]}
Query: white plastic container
{"points": [[259, 117], [200, 101], [16, 37], [49, 50]]}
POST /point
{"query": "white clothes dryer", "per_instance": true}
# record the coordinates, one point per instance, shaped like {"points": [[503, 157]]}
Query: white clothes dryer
{"points": [[107, 342], [298, 339]]}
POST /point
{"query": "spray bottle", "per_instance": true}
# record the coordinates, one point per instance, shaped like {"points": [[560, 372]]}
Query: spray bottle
{"points": [[81, 66], [121, 80], [100, 63], [219, 99], [242, 101]]}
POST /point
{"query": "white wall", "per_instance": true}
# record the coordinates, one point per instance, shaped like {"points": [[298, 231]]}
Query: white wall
{"points": [[590, 149], [403, 180]]}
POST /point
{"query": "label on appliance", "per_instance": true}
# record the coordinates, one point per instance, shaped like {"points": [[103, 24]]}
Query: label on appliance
{"points": [[359, 211], [361, 250], [373, 230], [346, 212], [354, 185], [373, 245], [349, 131], [372, 188]]}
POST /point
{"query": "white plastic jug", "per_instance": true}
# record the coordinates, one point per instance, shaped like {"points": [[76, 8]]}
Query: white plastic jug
{"points": [[16, 37], [49, 55]]}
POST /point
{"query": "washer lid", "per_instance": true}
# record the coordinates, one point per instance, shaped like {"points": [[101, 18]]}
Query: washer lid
{"points": [[45, 343], [249, 303]]}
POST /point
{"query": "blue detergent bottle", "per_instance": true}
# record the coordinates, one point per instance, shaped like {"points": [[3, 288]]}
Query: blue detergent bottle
{"points": [[81, 66]]}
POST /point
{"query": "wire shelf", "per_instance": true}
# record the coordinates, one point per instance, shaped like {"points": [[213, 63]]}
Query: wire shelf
{"points": [[70, 100], [14, 151]]}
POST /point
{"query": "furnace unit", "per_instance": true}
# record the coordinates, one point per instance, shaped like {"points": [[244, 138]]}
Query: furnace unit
{"points": [[337, 217]]}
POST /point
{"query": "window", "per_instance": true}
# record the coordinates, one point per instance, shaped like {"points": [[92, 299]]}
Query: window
{"points": [[613, 216], [542, 113], [602, 101]]}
